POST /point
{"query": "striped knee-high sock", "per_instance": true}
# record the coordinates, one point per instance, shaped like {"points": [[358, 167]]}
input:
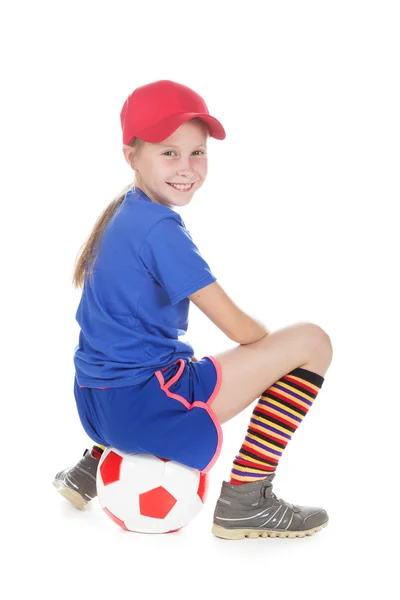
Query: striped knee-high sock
{"points": [[97, 451], [277, 415]]}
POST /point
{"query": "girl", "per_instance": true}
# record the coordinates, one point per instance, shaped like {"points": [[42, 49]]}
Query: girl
{"points": [[137, 385]]}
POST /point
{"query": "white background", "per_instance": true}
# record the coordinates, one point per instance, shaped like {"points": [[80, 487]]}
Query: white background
{"points": [[297, 221]]}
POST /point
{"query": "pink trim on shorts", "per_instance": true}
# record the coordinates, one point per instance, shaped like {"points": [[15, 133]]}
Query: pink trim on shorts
{"points": [[212, 414], [176, 376], [205, 405], [165, 386]]}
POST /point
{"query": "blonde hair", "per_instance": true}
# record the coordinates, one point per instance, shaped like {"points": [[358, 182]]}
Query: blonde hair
{"points": [[87, 254]]}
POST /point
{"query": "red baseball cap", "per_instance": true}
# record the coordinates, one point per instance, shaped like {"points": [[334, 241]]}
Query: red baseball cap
{"points": [[154, 111]]}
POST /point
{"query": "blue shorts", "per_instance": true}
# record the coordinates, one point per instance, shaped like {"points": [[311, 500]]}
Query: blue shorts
{"points": [[168, 415]]}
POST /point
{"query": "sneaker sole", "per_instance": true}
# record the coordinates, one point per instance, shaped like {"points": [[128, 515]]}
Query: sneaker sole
{"points": [[74, 497], [239, 534]]}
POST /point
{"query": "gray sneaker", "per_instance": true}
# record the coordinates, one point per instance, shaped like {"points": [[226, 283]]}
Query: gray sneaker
{"points": [[78, 483], [252, 510]]}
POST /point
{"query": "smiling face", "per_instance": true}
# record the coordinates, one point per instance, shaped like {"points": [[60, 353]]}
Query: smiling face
{"points": [[180, 159]]}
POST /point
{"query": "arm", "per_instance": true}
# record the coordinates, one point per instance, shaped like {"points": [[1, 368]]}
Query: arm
{"points": [[213, 301]]}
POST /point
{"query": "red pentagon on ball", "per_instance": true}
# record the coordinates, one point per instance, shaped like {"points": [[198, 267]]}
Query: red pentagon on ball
{"points": [[156, 503], [110, 468], [203, 485]]}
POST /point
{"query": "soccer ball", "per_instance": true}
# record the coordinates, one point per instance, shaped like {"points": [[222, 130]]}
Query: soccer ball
{"points": [[147, 494]]}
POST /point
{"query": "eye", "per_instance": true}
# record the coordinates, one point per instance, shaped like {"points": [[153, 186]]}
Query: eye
{"points": [[169, 151]]}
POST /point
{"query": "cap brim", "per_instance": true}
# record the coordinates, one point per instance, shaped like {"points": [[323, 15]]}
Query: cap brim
{"points": [[166, 127]]}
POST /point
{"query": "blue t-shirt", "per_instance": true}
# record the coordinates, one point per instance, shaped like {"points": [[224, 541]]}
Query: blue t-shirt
{"points": [[135, 308]]}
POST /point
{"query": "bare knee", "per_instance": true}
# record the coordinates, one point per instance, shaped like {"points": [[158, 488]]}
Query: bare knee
{"points": [[321, 341]]}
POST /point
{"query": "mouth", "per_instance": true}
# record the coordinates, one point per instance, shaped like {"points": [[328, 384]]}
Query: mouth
{"points": [[181, 187]]}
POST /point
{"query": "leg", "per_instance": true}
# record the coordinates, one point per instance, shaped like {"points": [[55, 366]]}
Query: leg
{"points": [[78, 484], [248, 370], [253, 509]]}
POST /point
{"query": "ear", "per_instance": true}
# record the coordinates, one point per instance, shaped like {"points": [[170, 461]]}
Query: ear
{"points": [[130, 155]]}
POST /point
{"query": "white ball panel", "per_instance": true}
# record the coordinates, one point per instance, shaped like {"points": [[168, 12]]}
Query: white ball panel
{"points": [[183, 512], [180, 479], [142, 472], [142, 524], [121, 501]]}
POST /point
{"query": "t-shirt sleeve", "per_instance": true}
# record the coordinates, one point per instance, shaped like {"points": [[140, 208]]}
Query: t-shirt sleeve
{"points": [[170, 255]]}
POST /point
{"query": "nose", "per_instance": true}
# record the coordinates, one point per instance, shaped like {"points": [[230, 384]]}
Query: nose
{"points": [[185, 166]]}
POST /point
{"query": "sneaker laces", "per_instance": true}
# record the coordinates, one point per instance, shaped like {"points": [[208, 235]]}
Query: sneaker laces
{"points": [[268, 493]]}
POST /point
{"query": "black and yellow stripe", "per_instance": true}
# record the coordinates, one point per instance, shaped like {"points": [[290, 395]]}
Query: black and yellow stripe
{"points": [[277, 415]]}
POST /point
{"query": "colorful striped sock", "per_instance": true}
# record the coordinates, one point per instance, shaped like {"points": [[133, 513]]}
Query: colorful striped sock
{"points": [[279, 412], [97, 451]]}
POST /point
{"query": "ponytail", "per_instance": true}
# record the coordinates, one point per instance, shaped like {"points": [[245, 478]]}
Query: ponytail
{"points": [[87, 254]]}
